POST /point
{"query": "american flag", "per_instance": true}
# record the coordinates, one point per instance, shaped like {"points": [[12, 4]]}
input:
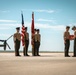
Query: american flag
{"points": [[32, 28], [23, 29]]}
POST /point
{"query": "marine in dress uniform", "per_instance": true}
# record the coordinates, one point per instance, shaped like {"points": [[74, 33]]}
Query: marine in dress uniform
{"points": [[67, 41], [17, 40], [33, 44], [26, 42], [37, 42], [74, 28]]}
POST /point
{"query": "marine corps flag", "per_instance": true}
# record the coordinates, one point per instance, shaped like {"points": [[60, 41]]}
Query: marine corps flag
{"points": [[32, 28], [23, 29]]}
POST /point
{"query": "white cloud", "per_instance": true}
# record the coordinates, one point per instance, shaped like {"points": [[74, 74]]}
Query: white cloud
{"points": [[5, 35], [9, 25], [40, 10], [37, 25], [4, 11], [8, 21], [4, 28], [47, 26], [46, 11], [73, 24], [46, 20], [12, 25]]}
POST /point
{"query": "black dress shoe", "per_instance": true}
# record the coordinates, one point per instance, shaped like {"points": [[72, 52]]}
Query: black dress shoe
{"points": [[27, 55], [33, 55], [18, 55], [67, 56], [38, 55]]}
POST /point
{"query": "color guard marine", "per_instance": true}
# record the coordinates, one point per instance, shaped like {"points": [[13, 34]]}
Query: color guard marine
{"points": [[67, 41], [74, 52], [26, 43], [37, 42], [17, 41]]}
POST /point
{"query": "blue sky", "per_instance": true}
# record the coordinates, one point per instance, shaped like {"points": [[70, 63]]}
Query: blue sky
{"points": [[51, 17]]}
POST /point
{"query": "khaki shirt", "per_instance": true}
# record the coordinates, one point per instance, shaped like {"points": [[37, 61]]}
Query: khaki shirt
{"points": [[37, 37], [27, 36], [66, 35], [75, 33], [17, 36]]}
